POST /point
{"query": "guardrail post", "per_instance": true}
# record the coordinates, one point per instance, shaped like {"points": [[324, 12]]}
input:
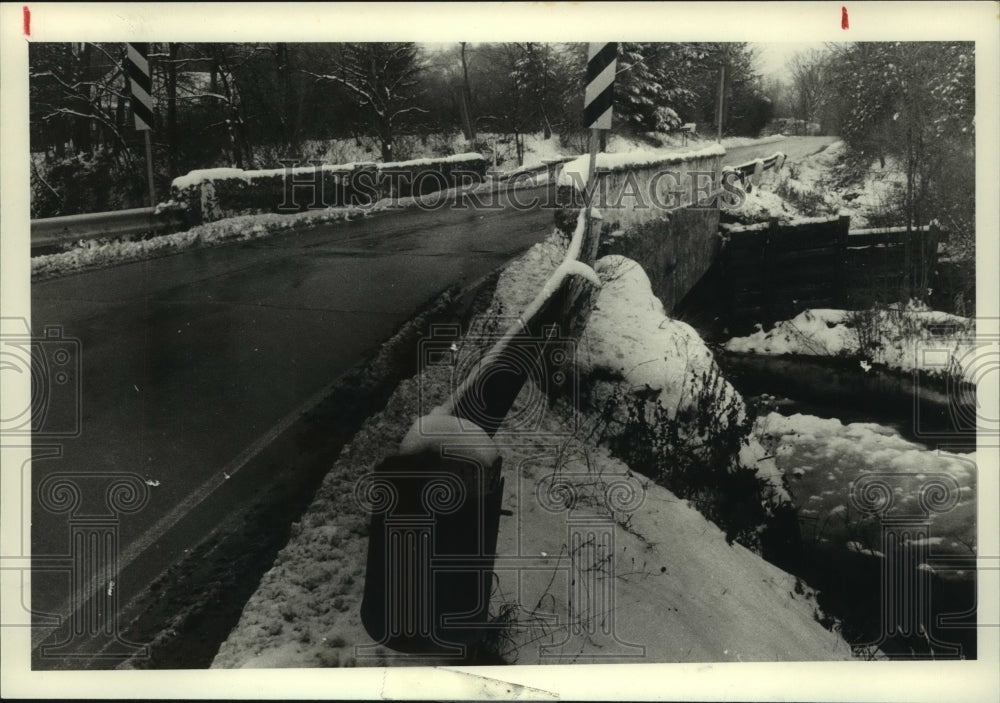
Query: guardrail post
{"points": [[435, 511]]}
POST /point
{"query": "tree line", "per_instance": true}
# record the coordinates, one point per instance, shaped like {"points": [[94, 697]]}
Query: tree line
{"points": [[908, 103], [248, 105]]}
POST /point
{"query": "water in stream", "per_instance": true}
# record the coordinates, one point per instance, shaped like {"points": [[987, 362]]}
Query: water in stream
{"points": [[831, 424]]}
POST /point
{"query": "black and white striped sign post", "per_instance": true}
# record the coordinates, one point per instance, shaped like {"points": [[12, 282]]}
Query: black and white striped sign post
{"points": [[598, 99], [141, 84], [602, 62]]}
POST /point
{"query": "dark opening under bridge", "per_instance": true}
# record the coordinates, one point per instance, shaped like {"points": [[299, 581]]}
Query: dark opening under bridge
{"points": [[773, 271]]}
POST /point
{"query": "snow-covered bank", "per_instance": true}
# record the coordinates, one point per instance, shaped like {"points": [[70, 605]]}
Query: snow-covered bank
{"points": [[906, 338], [809, 187], [680, 591], [96, 253], [630, 339]]}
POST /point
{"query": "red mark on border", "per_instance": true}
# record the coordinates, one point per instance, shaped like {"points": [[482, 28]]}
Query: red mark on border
{"points": [[27, 21], [844, 24]]}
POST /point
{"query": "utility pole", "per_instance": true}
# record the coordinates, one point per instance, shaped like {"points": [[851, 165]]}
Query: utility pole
{"points": [[722, 93], [466, 100]]}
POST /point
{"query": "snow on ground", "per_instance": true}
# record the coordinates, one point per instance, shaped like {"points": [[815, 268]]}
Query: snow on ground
{"points": [[823, 456], [537, 149], [906, 338], [807, 188], [873, 195], [761, 204], [678, 590], [95, 252]]}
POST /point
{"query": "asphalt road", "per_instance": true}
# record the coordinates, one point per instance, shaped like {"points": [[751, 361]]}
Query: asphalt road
{"points": [[190, 361], [793, 148]]}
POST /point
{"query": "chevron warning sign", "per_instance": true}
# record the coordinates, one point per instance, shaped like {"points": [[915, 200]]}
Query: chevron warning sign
{"points": [[137, 70], [602, 61]]}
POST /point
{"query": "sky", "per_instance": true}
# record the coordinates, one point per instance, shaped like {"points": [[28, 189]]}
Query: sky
{"points": [[774, 57]]}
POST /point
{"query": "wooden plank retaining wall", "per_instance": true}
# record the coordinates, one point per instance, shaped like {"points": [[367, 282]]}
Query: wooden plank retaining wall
{"points": [[774, 271]]}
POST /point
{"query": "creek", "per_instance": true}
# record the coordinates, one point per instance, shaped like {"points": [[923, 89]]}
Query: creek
{"points": [[907, 427]]}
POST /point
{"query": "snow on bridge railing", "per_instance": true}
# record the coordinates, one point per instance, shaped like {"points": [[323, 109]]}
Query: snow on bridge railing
{"points": [[428, 560], [486, 395], [207, 195]]}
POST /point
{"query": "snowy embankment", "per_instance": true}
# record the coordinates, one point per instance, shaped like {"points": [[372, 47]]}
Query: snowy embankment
{"points": [[679, 591], [808, 188], [905, 338], [630, 339], [536, 149]]}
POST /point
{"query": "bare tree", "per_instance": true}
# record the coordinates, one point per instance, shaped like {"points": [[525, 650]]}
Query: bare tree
{"points": [[80, 88], [810, 84], [383, 78]]}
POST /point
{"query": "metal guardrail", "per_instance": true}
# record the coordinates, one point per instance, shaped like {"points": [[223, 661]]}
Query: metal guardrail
{"points": [[428, 556], [52, 231], [757, 167], [547, 165]]}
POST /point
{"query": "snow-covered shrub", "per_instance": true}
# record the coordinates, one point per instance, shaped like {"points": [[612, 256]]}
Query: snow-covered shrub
{"points": [[697, 453], [662, 404], [893, 336]]}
